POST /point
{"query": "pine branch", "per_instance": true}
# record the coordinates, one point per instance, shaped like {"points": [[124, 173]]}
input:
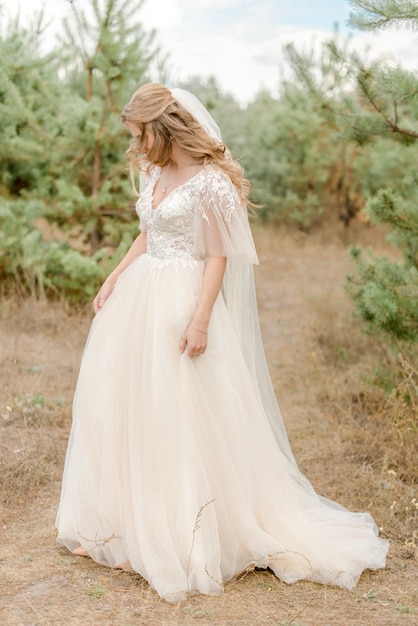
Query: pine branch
{"points": [[376, 14], [392, 124], [80, 31]]}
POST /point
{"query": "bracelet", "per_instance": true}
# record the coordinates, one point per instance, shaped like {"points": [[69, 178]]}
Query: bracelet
{"points": [[205, 332]]}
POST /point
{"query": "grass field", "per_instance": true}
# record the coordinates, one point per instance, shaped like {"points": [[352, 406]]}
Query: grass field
{"points": [[322, 365]]}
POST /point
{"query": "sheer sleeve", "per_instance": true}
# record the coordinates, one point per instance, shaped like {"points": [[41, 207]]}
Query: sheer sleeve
{"points": [[221, 221], [144, 179]]}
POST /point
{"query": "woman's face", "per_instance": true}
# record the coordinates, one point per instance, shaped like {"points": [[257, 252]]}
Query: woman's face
{"points": [[146, 140]]}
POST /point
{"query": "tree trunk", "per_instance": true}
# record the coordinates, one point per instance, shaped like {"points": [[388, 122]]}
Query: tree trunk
{"points": [[95, 235]]}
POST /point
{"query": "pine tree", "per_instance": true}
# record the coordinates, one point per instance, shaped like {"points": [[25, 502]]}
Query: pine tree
{"points": [[376, 107], [106, 54], [386, 292], [288, 156], [65, 204], [29, 95]]}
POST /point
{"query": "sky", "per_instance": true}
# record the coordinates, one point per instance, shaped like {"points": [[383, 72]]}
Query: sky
{"points": [[240, 42]]}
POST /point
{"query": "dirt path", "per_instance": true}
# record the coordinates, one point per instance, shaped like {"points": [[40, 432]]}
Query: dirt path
{"points": [[306, 321]]}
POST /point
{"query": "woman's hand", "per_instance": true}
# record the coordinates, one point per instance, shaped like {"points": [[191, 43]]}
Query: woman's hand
{"points": [[104, 292], [195, 337], [138, 247], [194, 341]]}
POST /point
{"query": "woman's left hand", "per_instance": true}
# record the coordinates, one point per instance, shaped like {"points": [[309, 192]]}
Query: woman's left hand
{"points": [[194, 341]]}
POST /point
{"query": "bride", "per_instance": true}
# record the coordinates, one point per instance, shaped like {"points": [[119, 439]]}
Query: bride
{"points": [[178, 464]]}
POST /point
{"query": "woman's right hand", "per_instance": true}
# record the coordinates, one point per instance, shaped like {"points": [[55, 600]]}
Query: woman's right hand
{"points": [[103, 294]]}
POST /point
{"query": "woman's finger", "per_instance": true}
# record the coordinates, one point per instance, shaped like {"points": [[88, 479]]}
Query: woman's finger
{"points": [[183, 343]]}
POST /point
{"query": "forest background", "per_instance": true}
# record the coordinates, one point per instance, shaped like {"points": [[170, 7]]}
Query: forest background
{"points": [[339, 138], [335, 152]]}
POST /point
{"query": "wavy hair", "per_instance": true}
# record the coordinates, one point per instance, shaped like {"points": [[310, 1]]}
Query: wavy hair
{"points": [[153, 106]]}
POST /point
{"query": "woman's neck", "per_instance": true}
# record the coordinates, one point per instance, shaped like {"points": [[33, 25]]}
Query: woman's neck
{"points": [[180, 159]]}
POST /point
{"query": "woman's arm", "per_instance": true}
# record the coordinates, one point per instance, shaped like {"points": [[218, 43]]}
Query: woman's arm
{"points": [[138, 247], [195, 337]]}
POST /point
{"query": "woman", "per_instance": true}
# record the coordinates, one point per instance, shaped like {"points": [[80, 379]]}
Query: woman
{"points": [[178, 465]]}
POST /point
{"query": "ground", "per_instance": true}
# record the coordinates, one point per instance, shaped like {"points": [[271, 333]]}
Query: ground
{"points": [[321, 364]]}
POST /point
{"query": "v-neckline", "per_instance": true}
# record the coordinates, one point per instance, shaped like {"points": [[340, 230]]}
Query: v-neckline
{"points": [[157, 178]]}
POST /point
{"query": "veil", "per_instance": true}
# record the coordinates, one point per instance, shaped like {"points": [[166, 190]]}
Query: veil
{"points": [[234, 240], [193, 105]]}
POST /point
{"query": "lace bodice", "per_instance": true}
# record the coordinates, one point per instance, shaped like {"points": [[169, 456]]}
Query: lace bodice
{"points": [[202, 217], [170, 225]]}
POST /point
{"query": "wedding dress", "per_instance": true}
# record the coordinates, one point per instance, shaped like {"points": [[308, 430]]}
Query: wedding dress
{"points": [[179, 466]]}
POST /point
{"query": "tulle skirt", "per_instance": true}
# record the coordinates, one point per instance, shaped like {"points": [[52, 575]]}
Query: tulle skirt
{"points": [[172, 466]]}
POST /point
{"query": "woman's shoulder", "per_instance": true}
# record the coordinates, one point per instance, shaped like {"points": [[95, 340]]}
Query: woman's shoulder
{"points": [[215, 172], [153, 172], [217, 179], [218, 192]]}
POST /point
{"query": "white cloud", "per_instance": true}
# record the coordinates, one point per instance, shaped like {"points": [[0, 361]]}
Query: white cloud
{"points": [[240, 43], [247, 53], [204, 4], [392, 45], [166, 16], [270, 52], [233, 62], [53, 8]]}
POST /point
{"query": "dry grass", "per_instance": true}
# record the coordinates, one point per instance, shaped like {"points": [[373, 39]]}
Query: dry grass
{"points": [[322, 365], [40, 351]]}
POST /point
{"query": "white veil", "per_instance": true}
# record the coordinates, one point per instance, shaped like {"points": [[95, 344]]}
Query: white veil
{"points": [[234, 240], [193, 105]]}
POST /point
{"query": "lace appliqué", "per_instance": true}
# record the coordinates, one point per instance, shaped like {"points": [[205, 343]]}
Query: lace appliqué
{"points": [[208, 197], [220, 197]]}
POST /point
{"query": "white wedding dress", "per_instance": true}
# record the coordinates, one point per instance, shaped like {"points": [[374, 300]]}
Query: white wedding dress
{"points": [[181, 466]]}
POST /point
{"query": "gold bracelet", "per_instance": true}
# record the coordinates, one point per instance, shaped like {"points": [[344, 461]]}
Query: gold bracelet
{"points": [[205, 332]]}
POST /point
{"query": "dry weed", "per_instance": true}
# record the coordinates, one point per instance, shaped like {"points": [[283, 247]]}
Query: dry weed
{"points": [[40, 347]]}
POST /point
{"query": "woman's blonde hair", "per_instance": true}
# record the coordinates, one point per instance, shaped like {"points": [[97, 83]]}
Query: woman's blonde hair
{"points": [[152, 106]]}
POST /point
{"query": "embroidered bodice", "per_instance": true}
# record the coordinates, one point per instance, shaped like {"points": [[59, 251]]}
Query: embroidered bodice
{"points": [[175, 226]]}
